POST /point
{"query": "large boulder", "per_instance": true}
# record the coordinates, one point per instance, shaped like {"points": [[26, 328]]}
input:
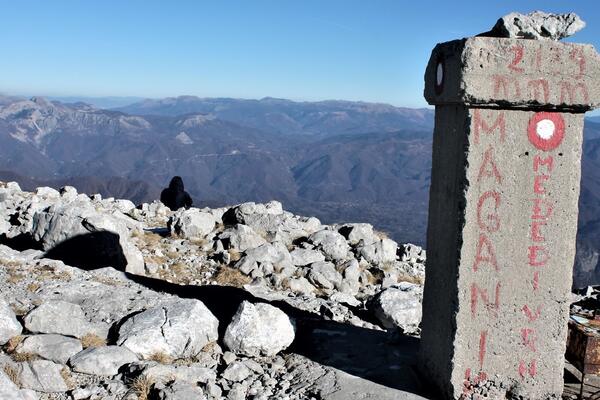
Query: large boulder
{"points": [[102, 361], [192, 223], [55, 348], [179, 329], [9, 326], [331, 243], [60, 222], [355, 233], [259, 329], [59, 317], [400, 307]]}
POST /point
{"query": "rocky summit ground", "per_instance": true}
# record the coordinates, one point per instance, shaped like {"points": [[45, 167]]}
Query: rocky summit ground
{"points": [[100, 299]]}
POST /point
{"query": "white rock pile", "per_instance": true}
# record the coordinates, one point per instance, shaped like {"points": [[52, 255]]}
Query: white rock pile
{"points": [[97, 332]]}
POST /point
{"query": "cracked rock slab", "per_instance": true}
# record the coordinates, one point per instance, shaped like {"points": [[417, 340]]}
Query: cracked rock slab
{"points": [[58, 317], [178, 329], [52, 347]]}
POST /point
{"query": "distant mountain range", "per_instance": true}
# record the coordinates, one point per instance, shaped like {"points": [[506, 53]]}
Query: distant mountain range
{"points": [[340, 161]]}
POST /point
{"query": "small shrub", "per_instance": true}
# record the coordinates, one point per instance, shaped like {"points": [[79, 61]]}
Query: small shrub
{"points": [[33, 287]]}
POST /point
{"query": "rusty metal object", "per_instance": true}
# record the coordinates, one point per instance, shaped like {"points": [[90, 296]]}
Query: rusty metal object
{"points": [[583, 345]]}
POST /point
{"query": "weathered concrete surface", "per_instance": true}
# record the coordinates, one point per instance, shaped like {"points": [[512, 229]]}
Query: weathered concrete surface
{"points": [[502, 224], [515, 73]]}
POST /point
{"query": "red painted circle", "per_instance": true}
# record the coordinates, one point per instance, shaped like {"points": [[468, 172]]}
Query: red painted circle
{"points": [[556, 138]]}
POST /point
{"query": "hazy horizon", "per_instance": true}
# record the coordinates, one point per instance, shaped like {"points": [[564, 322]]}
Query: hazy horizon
{"points": [[309, 51]]}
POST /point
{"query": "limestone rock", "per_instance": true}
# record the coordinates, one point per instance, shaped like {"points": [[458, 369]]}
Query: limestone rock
{"points": [[242, 238], [357, 232], [8, 389], [537, 25], [259, 329], [42, 376], [9, 326], [400, 307], [302, 257], [237, 371], [331, 243], [380, 252], [181, 391], [192, 223], [52, 347], [192, 374], [102, 361], [179, 329], [59, 317]]}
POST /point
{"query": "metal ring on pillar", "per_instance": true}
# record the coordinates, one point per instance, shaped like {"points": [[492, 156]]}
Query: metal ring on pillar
{"points": [[546, 130]]}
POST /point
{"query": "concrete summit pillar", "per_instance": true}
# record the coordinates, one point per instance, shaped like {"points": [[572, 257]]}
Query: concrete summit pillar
{"points": [[503, 212]]}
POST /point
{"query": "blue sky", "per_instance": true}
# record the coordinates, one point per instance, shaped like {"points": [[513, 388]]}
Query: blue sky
{"points": [[302, 50]]}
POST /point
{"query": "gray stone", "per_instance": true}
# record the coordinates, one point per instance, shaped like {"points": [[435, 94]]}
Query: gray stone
{"points": [[8, 389], [237, 371], [181, 391], [356, 233], [537, 25], [301, 257], [378, 253], [179, 328], [52, 347], [300, 285], [102, 361], [192, 374], [400, 307], [331, 243], [259, 329], [328, 271], [42, 376], [59, 317], [9, 326], [191, 223], [242, 238]]}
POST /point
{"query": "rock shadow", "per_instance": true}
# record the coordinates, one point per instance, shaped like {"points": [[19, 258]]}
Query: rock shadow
{"points": [[385, 358], [90, 251]]}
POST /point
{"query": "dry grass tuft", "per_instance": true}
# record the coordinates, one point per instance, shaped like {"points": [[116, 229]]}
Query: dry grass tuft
{"points": [[48, 272], [161, 357], [227, 276], [200, 242], [411, 279], [92, 340], [22, 357], [234, 255], [33, 287], [381, 234], [13, 343], [65, 373], [151, 239], [12, 374], [142, 386]]}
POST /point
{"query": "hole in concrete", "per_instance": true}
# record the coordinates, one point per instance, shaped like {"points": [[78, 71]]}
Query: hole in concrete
{"points": [[439, 74]]}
